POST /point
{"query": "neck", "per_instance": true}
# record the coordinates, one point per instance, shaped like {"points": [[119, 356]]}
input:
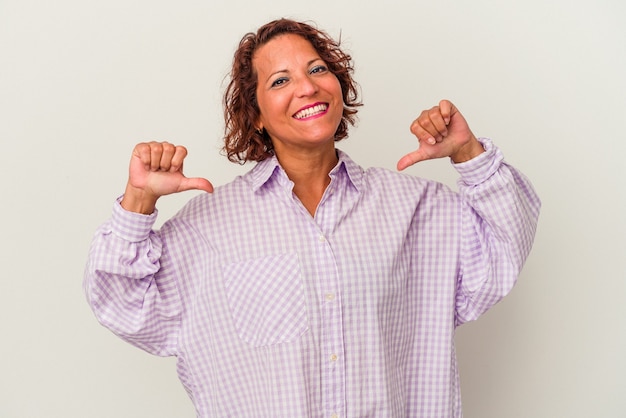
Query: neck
{"points": [[310, 174]]}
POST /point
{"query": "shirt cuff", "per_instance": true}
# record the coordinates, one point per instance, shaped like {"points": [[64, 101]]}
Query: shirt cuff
{"points": [[481, 167], [131, 226]]}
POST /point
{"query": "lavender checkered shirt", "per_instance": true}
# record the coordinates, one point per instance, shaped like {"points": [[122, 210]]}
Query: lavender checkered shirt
{"points": [[351, 313]]}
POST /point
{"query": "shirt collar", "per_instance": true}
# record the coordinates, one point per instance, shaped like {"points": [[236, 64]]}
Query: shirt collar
{"points": [[354, 171], [269, 170], [263, 172]]}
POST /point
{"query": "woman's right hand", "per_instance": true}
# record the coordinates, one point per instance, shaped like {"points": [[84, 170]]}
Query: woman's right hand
{"points": [[156, 169]]}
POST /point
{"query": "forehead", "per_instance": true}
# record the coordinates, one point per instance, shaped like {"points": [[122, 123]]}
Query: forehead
{"points": [[283, 50]]}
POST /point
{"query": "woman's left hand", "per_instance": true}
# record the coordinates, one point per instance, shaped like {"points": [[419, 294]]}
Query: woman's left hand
{"points": [[442, 131]]}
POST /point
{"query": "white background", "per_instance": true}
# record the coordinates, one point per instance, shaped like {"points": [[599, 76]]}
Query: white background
{"points": [[82, 81]]}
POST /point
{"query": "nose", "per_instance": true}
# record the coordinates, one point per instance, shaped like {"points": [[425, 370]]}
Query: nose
{"points": [[306, 86]]}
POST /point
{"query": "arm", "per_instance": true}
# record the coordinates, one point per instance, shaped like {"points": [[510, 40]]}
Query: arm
{"points": [[123, 286], [499, 208], [124, 282], [499, 213]]}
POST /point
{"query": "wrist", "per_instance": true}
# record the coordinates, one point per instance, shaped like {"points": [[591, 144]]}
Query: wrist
{"points": [[468, 151], [138, 201]]}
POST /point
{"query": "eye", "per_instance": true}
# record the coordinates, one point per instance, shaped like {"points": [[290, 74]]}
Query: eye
{"points": [[319, 69], [279, 82]]}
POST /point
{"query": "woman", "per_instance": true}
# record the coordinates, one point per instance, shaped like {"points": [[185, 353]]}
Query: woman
{"points": [[310, 286]]}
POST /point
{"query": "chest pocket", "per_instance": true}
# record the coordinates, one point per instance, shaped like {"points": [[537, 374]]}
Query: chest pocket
{"points": [[266, 299]]}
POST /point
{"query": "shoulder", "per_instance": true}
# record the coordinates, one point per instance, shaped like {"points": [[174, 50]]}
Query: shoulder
{"points": [[387, 184], [401, 184], [222, 199]]}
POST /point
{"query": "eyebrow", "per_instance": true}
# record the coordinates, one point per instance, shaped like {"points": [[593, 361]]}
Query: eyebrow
{"points": [[286, 71]]}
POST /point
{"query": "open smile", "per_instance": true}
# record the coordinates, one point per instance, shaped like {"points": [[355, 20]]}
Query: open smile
{"points": [[311, 111]]}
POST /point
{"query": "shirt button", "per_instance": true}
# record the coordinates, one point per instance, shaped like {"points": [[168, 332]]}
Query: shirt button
{"points": [[322, 238], [330, 296], [334, 416], [333, 357]]}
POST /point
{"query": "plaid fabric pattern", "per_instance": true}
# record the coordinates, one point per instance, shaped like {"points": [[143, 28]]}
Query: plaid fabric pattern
{"points": [[350, 313]]}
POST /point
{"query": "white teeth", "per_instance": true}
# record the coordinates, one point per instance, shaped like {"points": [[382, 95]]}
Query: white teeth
{"points": [[310, 111]]}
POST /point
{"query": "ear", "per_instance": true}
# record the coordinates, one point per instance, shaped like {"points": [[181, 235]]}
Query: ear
{"points": [[258, 126]]}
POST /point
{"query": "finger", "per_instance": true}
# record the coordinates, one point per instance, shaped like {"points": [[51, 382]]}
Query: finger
{"points": [[430, 126], [180, 153], [156, 151], [196, 183], [412, 158], [438, 123], [447, 109], [423, 130], [142, 152], [166, 156]]}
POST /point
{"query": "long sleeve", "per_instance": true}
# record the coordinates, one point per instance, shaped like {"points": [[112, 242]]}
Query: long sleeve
{"points": [[500, 210], [272, 312], [125, 288]]}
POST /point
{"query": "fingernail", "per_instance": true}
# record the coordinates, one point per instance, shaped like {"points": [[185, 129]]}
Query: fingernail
{"points": [[431, 141]]}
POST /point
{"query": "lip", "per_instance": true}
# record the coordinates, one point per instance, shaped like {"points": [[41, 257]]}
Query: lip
{"points": [[315, 114]]}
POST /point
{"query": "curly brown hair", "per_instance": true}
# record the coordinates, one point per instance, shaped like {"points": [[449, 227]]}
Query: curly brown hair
{"points": [[242, 141]]}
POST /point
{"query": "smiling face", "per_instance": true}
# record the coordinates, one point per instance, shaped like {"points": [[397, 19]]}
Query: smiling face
{"points": [[299, 99]]}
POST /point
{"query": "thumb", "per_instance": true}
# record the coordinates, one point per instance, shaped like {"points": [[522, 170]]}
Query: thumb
{"points": [[412, 158], [195, 183]]}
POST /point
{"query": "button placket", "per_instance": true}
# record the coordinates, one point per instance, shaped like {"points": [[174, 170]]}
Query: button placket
{"points": [[328, 286]]}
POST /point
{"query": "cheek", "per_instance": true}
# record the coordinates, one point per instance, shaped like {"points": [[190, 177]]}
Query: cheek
{"points": [[265, 111], [338, 92], [339, 96], [272, 106]]}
